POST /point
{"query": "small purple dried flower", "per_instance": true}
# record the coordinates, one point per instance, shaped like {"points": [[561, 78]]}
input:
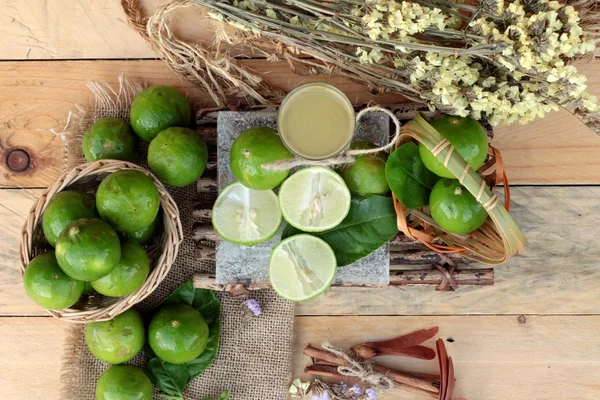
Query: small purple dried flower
{"points": [[371, 394], [356, 391], [321, 396], [253, 306], [343, 387]]}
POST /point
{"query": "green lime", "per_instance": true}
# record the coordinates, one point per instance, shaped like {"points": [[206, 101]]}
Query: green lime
{"points": [[47, 285], [455, 209], [177, 156], [302, 267], [367, 174], [123, 382], [128, 200], [253, 148], [468, 138], [314, 199], [64, 208], [110, 138], [246, 216], [117, 340], [142, 236], [178, 333], [158, 108], [87, 249], [128, 276]]}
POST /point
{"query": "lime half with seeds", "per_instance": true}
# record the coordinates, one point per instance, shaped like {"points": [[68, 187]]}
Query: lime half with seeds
{"points": [[246, 216], [314, 199], [302, 267]]}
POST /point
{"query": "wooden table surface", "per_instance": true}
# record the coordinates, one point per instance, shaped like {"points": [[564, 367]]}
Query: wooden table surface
{"points": [[533, 335]]}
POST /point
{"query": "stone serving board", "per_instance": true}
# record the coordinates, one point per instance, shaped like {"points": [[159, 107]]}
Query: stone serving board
{"points": [[237, 263]]}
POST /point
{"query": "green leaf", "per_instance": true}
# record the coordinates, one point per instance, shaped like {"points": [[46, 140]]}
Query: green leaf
{"points": [[409, 179], [173, 378], [370, 224]]}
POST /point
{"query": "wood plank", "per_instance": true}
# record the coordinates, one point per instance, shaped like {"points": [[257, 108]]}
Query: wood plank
{"points": [[37, 96], [30, 357], [66, 29], [556, 275], [496, 358]]}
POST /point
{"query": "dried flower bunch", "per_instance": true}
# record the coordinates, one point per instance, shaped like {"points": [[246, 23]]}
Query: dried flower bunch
{"points": [[498, 61]]}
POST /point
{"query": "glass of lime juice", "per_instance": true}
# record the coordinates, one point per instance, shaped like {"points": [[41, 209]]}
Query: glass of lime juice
{"points": [[316, 121]]}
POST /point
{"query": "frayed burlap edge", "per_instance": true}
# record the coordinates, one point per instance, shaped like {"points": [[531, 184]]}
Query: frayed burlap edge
{"points": [[72, 348], [107, 100]]}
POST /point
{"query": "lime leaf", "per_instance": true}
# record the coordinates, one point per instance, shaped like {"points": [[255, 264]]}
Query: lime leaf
{"points": [[170, 378], [410, 181], [370, 223]]}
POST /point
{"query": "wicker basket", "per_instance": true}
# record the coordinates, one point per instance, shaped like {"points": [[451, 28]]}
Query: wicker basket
{"points": [[493, 243], [162, 252]]}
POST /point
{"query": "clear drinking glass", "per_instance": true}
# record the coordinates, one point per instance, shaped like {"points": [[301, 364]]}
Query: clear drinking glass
{"points": [[316, 121]]}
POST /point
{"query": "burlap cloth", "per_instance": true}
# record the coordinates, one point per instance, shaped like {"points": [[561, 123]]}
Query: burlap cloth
{"points": [[254, 359]]}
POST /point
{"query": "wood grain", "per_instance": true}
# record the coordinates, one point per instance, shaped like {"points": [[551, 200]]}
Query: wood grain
{"points": [[37, 96], [556, 275], [30, 358], [496, 358]]}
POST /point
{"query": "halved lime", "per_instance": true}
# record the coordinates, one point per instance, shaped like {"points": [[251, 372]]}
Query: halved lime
{"points": [[246, 216], [302, 267], [314, 199]]}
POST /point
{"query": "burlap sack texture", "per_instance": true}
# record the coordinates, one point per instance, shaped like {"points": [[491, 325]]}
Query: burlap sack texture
{"points": [[254, 359]]}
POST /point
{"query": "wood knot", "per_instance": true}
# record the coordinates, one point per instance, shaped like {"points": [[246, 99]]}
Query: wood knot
{"points": [[522, 319], [18, 160]]}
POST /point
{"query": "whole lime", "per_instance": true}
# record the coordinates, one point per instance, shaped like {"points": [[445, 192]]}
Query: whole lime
{"points": [[128, 200], [47, 285], [367, 174], [110, 138], [455, 209], [117, 340], [177, 156], [87, 249], [142, 236], [64, 208], [468, 138], [253, 148], [178, 333], [128, 276], [158, 108], [123, 382]]}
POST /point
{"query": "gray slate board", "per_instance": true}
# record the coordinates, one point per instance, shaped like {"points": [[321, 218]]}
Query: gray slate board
{"points": [[236, 263]]}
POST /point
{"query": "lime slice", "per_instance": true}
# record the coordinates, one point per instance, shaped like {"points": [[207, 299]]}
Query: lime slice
{"points": [[314, 199], [302, 267], [246, 216]]}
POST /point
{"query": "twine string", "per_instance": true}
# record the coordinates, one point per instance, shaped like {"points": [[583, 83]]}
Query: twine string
{"points": [[363, 372], [346, 157]]}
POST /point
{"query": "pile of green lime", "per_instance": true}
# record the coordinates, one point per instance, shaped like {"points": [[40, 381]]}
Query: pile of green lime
{"points": [[85, 230], [177, 334], [409, 174], [160, 116]]}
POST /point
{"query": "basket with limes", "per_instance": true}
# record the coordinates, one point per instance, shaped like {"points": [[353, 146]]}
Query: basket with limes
{"points": [[441, 175]]}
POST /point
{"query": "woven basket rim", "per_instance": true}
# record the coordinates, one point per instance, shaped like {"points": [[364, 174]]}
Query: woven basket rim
{"points": [[172, 228], [488, 244]]}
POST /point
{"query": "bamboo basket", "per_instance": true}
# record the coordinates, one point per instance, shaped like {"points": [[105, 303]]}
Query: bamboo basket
{"points": [[162, 253], [499, 238]]}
